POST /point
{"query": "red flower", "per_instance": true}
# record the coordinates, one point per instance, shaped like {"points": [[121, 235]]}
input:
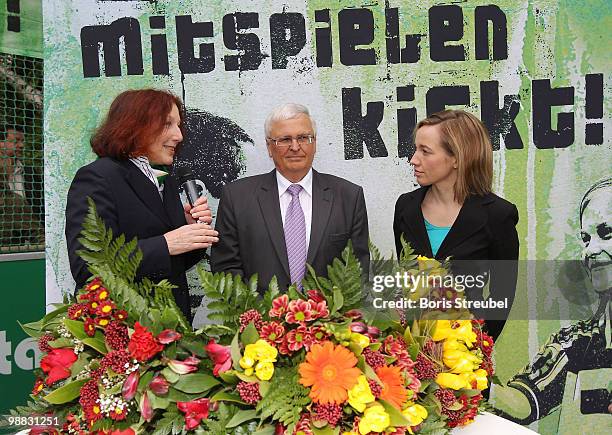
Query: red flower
{"points": [[317, 335], [56, 364], [128, 431], [189, 365], [220, 355], [130, 385], [142, 345], [76, 311], [194, 411], [120, 314], [315, 295], [38, 387], [279, 306], [300, 311], [167, 336], [105, 308], [272, 332], [90, 327], [159, 385], [396, 347], [146, 410], [102, 321]]}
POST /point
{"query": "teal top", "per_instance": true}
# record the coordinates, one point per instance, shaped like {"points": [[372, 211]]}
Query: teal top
{"points": [[436, 235]]}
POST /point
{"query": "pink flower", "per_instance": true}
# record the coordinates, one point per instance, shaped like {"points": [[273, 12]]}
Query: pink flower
{"points": [[220, 355], [56, 364], [279, 306], [298, 338], [319, 309], [272, 332], [146, 410], [300, 311], [159, 385], [183, 367], [167, 336], [130, 385], [194, 411]]}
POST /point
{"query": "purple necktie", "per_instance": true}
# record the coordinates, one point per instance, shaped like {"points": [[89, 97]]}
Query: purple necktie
{"points": [[295, 236]]}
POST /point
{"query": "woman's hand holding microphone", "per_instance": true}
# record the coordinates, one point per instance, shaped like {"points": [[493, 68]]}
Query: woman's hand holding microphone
{"points": [[197, 234]]}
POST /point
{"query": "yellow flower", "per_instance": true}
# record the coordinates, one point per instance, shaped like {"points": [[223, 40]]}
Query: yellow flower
{"points": [[264, 370], [261, 351], [350, 433], [375, 419], [450, 380], [480, 376], [362, 341], [415, 414], [458, 358], [248, 371], [246, 362], [360, 395], [454, 329]]}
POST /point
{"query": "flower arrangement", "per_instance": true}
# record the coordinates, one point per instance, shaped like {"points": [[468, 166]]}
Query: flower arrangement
{"points": [[121, 359]]}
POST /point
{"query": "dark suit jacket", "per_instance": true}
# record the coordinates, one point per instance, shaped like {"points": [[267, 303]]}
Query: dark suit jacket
{"points": [[251, 236], [485, 229], [130, 204]]}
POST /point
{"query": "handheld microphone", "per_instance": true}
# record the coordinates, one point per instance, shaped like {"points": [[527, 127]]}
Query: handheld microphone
{"points": [[188, 184]]}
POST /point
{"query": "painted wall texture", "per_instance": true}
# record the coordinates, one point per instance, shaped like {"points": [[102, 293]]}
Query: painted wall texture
{"points": [[536, 72]]}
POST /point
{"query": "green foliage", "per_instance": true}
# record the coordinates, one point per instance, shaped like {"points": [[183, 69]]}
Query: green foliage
{"points": [[344, 283], [407, 257], [229, 297], [285, 399], [116, 263]]}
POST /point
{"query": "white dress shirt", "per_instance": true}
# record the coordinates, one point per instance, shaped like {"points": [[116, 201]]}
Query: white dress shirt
{"points": [[142, 163], [284, 198]]}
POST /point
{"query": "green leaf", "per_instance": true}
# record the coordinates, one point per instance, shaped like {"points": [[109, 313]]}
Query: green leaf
{"points": [[67, 393], [33, 329], [397, 419], [326, 430], [471, 393], [144, 380], [61, 342], [79, 364], [265, 430], [158, 402], [96, 344], [338, 299], [229, 377], [53, 314], [241, 416], [223, 396], [413, 350], [175, 395], [249, 335], [170, 376], [235, 352], [76, 328], [195, 383]]}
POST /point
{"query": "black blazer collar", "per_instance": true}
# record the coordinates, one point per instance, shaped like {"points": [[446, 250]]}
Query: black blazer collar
{"points": [[145, 190], [322, 201], [471, 219], [269, 204]]}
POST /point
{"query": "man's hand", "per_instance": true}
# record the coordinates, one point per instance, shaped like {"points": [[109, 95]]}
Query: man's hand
{"points": [[189, 238], [199, 213]]}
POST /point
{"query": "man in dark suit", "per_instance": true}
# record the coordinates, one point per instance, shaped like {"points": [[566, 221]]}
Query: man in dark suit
{"points": [[273, 224]]}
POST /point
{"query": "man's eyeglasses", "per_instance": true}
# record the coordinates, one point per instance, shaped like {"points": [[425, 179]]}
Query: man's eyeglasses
{"points": [[285, 142]]}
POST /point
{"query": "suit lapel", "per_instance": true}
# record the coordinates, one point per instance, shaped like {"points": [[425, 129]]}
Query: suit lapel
{"points": [[270, 210], [322, 200], [415, 224], [471, 219], [145, 190]]}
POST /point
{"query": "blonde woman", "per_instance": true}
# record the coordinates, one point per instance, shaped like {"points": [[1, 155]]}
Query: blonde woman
{"points": [[454, 213]]}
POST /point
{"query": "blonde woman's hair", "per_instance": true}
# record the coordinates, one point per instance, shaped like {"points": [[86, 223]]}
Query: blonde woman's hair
{"points": [[466, 138]]}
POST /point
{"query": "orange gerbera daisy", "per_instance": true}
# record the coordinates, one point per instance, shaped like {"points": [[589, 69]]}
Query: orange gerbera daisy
{"points": [[393, 390], [330, 372]]}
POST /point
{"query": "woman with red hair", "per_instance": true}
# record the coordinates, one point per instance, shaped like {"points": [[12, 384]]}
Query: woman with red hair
{"points": [[143, 129]]}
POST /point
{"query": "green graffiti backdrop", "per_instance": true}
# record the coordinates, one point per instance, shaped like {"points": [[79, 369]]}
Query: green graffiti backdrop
{"points": [[558, 40]]}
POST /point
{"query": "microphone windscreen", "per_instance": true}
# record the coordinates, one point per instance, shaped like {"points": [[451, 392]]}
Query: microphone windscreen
{"points": [[184, 174]]}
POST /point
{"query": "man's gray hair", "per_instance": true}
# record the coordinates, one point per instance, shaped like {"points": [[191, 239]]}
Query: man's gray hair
{"points": [[287, 111]]}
